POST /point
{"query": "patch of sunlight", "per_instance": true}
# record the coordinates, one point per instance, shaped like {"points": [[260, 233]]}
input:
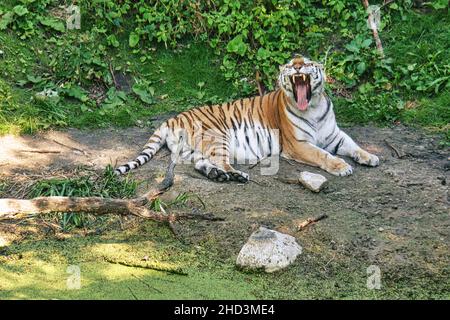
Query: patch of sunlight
{"points": [[32, 279]]}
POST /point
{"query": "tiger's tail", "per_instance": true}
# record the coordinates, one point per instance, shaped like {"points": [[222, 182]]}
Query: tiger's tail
{"points": [[156, 141]]}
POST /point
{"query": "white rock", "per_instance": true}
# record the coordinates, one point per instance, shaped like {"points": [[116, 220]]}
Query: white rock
{"points": [[3, 242], [268, 249], [312, 181]]}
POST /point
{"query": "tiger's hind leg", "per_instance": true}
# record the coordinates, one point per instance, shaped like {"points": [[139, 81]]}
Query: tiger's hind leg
{"points": [[220, 172], [211, 171]]}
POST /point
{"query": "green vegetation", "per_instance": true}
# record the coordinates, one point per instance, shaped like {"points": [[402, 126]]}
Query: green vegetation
{"points": [[134, 59], [107, 185]]}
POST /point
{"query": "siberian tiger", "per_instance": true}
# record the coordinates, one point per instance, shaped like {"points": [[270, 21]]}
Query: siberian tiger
{"points": [[296, 121]]}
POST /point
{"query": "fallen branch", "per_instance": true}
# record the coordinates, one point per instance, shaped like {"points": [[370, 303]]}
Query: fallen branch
{"points": [[17, 208], [309, 221], [40, 151]]}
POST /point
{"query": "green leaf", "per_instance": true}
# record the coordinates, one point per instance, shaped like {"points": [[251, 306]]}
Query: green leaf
{"points": [[112, 40], [6, 19], [34, 79], [352, 47], [20, 10], [366, 43], [263, 54], [201, 84], [237, 45], [77, 93], [361, 67], [53, 23], [393, 6], [133, 39], [145, 95], [439, 4]]}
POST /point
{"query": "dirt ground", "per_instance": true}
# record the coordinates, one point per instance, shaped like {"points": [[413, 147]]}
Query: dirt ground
{"points": [[395, 216]]}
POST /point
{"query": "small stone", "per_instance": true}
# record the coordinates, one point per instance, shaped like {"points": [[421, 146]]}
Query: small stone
{"points": [[3, 242], [312, 181], [381, 229], [269, 250]]}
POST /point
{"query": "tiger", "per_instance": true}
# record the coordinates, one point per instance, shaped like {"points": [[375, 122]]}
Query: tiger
{"points": [[295, 121]]}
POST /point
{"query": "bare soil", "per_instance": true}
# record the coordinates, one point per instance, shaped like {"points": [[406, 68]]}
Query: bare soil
{"points": [[395, 216]]}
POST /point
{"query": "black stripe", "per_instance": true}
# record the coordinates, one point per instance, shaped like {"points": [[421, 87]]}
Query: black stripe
{"points": [[270, 143], [332, 132], [303, 119], [275, 96], [338, 145], [250, 147], [332, 140], [328, 109], [315, 87], [308, 123], [303, 130], [221, 121], [216, 125], [146, 155]]}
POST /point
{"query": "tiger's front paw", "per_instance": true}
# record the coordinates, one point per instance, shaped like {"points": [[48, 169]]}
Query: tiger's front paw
{"points": [[339, 167], [366, 158]]}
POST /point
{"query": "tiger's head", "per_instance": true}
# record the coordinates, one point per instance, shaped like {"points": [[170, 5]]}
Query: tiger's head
{"points": [[302, 80]]}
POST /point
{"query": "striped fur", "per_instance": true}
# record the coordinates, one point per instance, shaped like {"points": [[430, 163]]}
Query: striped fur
{"points": [[248, 130]]}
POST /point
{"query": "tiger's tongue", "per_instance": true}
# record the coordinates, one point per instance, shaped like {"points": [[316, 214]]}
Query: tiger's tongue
{"points": [[302, 102]]}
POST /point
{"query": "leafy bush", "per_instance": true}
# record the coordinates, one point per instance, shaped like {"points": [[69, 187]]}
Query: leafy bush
{"points": [[247, 36]]}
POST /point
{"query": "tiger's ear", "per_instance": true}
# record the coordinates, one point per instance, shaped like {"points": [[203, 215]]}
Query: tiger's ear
{"points": [[282, 67]]}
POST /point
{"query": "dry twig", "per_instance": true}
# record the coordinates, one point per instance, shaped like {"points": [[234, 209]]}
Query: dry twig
{"points": [[309, 221], [399, 154], [40, 151], [69, 147]]}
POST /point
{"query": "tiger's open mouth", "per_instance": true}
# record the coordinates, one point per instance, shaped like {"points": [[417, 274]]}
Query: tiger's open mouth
{"points": [[302, 90]]}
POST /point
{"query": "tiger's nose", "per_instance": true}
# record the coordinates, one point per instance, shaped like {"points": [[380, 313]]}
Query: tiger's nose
{"points": [[297, 67]]}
